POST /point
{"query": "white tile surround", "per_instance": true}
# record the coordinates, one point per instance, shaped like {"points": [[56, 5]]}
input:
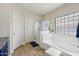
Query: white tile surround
{"points": [[65, 43], [65, 38]]}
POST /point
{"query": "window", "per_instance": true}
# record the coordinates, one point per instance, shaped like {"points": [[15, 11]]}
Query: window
{"points": [[45, 25], [67, 24]]}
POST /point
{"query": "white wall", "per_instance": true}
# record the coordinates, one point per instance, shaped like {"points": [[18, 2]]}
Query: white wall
{"points": [[63, 10], [4, 20], [6, 28], [30, 20], [4, 32]]}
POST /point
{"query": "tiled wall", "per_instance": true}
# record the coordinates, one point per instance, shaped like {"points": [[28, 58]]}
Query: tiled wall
{"points": [[65, 38]]}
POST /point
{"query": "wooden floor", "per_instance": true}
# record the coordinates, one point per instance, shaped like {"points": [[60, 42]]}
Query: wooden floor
{"points": [[28, 50]]}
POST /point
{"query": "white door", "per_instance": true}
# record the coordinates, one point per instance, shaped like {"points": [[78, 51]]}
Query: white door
{"points": [[29, 30], [36, 29], [18, 30]]}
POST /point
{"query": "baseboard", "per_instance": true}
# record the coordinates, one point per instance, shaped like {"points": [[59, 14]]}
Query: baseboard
{"points": [[14, 49], [36, 42], [23, 43], [11, 52]]}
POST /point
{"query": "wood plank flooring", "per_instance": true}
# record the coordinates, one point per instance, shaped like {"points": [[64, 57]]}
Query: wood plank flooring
{"points": [[28, 50]]}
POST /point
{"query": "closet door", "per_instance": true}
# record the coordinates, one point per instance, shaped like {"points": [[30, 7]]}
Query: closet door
{"points": [[29, 30], [18, 30], [36, 31]]}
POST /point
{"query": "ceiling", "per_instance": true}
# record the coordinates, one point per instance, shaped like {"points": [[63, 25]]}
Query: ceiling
{"points": [[41, 8]]}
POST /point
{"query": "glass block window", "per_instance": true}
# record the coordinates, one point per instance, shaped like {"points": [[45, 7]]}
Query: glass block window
{"points": [[67, 24]]}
